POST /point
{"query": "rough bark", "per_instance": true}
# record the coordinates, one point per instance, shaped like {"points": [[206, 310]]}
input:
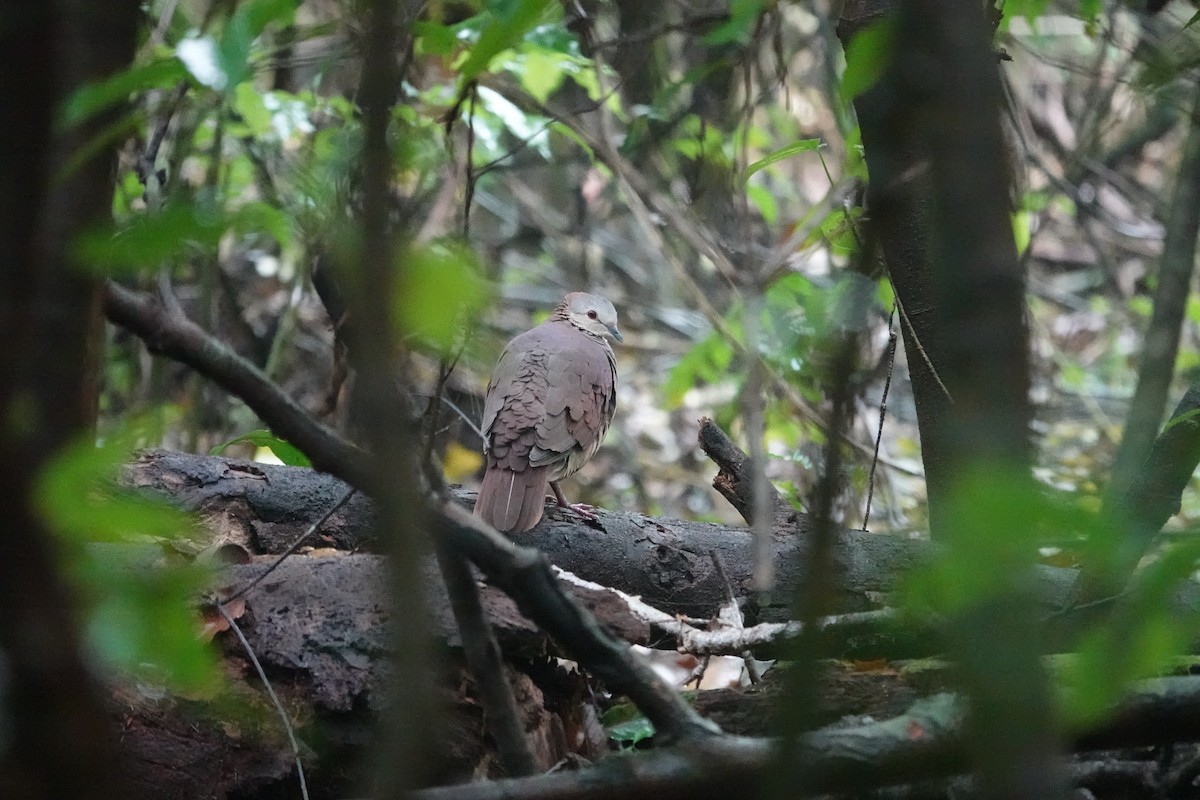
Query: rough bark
{"points": [[666, 562]]}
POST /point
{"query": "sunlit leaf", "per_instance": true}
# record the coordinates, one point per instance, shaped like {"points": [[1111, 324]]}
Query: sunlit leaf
{"points": [[284, 450], [248, 103], [508, 23], [541, 74], [1021, 230], [887, 295], [1030, 9]]}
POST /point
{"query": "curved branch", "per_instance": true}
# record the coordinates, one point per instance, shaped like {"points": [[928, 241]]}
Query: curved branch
{"points": [[184, 341], [522, 572], [526, 576]]}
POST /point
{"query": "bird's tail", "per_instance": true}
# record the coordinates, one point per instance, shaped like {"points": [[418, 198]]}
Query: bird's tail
{"points": [[512, 502]]}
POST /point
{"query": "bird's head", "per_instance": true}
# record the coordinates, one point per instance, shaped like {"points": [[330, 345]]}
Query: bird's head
{"points": [[590, 313]]}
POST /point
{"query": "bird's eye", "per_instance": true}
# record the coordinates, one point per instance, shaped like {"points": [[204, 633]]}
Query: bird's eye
{"points": [[591, 314]]}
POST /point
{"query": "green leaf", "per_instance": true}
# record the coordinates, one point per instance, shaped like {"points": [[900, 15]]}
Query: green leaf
{"points": [[764, 201], [542, 73], [149, 240], [1030, 9], [867, 56], [257, 217], [992, 532], [743, 17], [243, 27], [249, 105], [507, 26], [705, 363], [626, 725], [284, 450], [801, 146], [140, 616], [95, 97], [434, 39], [1021, 230], [1137, 640], [887, 294], [1184, 417], [440, 289], [569, 133]]}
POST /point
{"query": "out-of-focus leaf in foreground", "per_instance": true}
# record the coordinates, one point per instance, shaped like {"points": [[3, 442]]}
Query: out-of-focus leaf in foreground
{"points": [[138, 604]]}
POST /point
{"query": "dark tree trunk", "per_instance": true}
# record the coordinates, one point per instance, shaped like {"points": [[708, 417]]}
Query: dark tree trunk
{"points": [[939, 189], [899, 201], [57, 739]]}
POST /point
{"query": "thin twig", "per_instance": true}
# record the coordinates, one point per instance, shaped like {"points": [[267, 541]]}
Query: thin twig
{"points": [[262, 676], [735, 613], [146, 160], [887, 385], [350, 490], [647, 34], [904, 320], [472, 176], [527, 577], [462, 415], [753, 404]]}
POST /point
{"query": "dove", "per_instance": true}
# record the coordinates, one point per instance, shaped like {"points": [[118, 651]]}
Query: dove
{"points": [[549, 403]]}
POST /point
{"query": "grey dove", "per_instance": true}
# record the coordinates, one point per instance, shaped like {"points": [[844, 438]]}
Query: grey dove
{"points": [[549, 403]]}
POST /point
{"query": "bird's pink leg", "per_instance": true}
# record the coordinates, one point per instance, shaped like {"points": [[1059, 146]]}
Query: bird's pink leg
{"points": [[582, 509]]}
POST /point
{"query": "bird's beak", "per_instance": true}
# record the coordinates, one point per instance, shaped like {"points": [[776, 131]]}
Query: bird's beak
{"points": [[616, 334]]}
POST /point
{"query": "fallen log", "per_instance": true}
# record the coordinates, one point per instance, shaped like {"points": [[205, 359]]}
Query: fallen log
{"points": [[664, 561]]}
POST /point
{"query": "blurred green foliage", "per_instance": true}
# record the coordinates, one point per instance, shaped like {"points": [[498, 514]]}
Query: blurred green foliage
{"points": [[121, 550]]}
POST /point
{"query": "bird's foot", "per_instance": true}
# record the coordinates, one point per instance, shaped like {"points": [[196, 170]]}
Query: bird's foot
{"points": [[584, 510]]}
